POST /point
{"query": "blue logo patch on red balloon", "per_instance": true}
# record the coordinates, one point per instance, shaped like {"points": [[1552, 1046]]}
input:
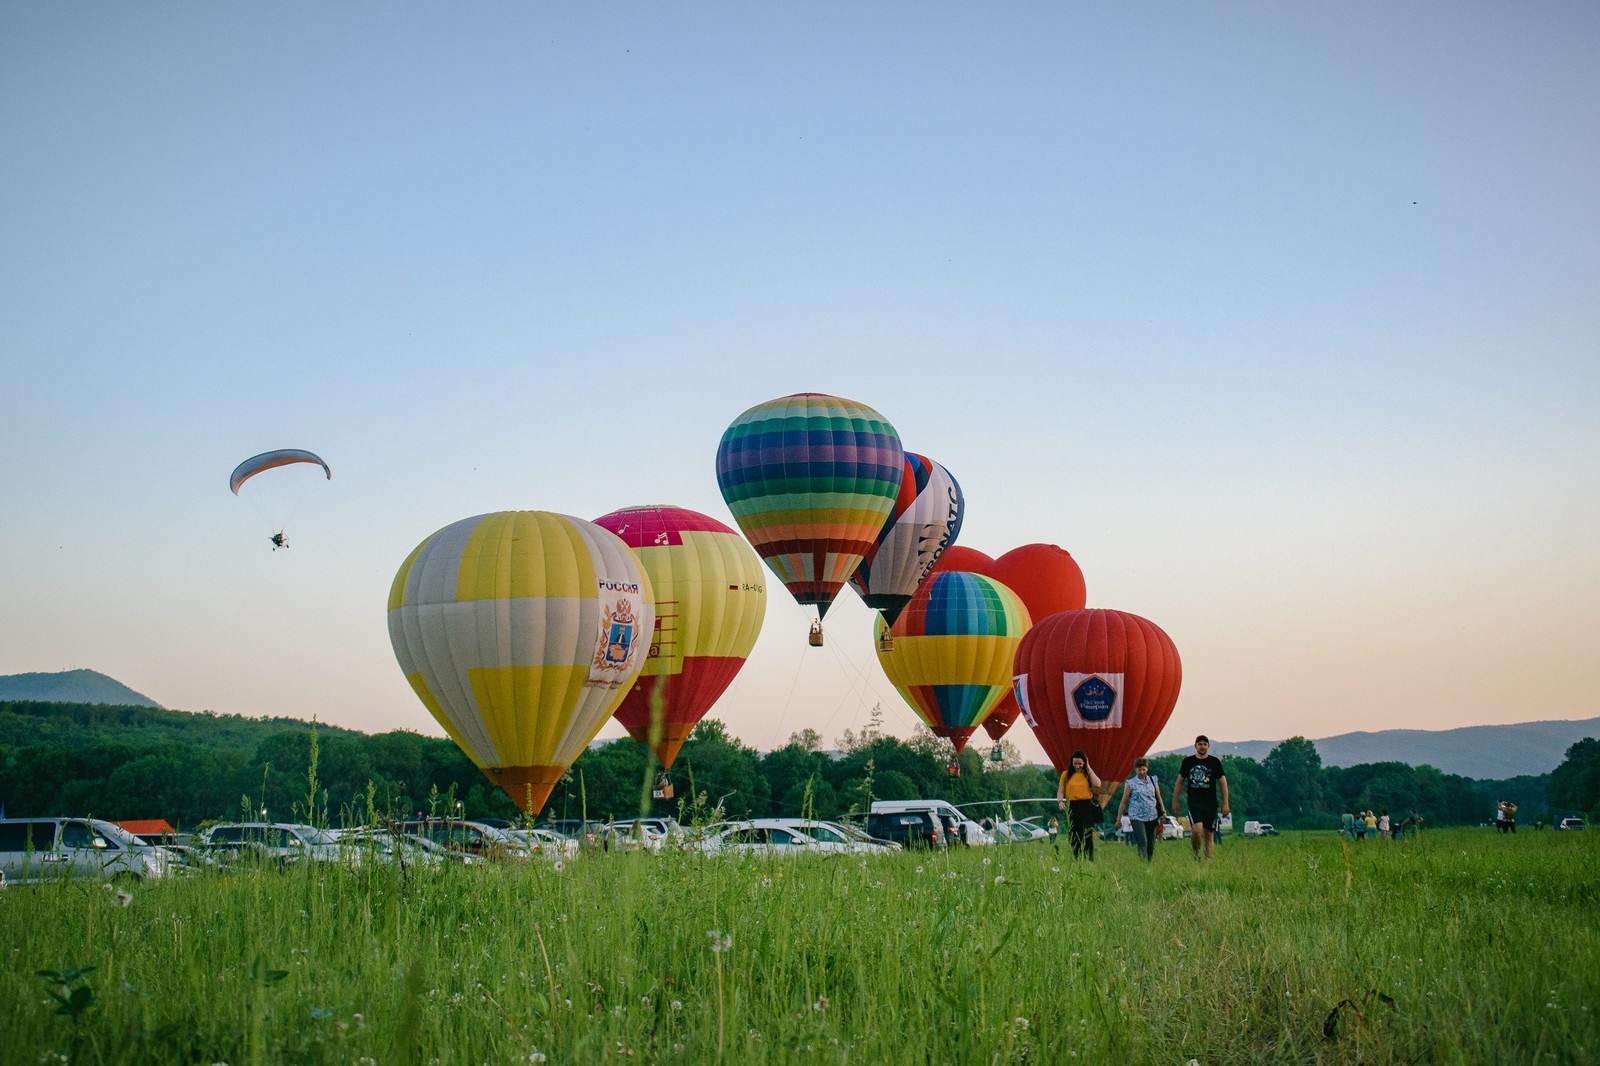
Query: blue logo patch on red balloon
{"points": [[1094, 699]]}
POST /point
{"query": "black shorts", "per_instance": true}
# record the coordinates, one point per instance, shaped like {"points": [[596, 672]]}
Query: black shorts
{"points": [[1203, 815]]}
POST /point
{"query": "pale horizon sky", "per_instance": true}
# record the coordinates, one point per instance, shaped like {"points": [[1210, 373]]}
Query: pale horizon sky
{"points": [[1284, 319]]}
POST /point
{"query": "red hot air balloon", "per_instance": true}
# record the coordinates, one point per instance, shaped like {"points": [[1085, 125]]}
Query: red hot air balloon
{"points": [[1048, 581], [1100, 682], [959, 557]]}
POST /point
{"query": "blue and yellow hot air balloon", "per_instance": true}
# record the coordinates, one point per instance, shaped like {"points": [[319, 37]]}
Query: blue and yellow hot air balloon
{"points": [[521, 631], [951, 656]]}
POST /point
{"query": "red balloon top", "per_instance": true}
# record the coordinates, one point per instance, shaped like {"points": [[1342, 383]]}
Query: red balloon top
{"points": [[1045, 577]]}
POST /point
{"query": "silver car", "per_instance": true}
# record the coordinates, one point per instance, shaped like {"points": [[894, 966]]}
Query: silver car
{"points": [[48, 849], [279, 842]]}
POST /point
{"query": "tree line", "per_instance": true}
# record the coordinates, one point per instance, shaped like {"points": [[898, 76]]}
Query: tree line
{"points": [[135, 762]]}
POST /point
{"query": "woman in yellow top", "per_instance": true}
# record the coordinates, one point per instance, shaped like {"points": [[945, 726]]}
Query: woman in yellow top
{"points": [[1075, 794]]}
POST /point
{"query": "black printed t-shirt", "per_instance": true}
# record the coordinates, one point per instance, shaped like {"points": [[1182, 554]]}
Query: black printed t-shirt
{"points": [[1200, 778]]}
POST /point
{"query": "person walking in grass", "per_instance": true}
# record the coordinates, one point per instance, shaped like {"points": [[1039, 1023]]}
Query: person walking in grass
{"points": [[1141, 805], [1075, 795], [1201, 778]]}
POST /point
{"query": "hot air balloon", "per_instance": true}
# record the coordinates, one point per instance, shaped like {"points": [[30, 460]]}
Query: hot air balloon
{"points": [[810, 480], [271, 504], [925, 520], [710, 599], [521, 631], [952, 651], [961, 557], [1048, 581], [1100, 682]]}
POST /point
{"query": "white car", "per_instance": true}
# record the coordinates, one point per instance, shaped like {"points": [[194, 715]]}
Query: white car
{"points": [[1172, 829], [280, 842], [546, 842], [1018, 832], [759, 837], [833, 837]]}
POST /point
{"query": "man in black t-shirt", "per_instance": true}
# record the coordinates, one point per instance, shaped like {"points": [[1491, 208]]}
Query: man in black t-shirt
{"points": [[1201, 776]]}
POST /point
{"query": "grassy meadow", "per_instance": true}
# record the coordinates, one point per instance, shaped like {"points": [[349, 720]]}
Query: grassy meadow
{"points": [[1458, 946]]}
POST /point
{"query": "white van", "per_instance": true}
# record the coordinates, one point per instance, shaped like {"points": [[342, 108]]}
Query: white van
{"points": [[970, 832], [49, 849]]}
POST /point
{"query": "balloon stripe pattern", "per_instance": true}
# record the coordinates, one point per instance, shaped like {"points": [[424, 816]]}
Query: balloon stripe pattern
{"points": [[711, 598], [516, 630], [271, 461], [952, 651], [925, 521], [810, 480]]}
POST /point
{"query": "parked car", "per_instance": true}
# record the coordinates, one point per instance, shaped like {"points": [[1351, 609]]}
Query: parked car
{"points": [[276, 842], [958, 827], [384, 846], [759, 837], [1017, 832], [1570, 823], [47, 849], [470, 837], [909, 829], [544, 842], [1259, 829], [834, 837], [1172, 829]]}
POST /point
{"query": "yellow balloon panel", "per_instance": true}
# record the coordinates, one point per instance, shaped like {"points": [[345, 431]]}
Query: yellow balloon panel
{"points": [[521, 632]]}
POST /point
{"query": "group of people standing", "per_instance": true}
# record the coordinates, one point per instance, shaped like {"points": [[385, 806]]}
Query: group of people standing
{"points": [[1200, 777]]}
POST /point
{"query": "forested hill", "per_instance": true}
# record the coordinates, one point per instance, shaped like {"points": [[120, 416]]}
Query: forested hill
{"points": [[72, 686], [24, 723]]}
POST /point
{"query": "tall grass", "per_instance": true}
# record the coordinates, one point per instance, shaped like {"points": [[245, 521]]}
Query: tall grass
{"points": [[1460, 946]]}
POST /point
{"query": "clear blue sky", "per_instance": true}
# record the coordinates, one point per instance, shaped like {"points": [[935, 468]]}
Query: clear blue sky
{"points": [[1284, 319]]}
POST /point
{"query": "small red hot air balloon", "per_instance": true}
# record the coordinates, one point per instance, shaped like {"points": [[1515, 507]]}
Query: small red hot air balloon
{"points": [[1100, 682], [1047, 580], [959, 557]]}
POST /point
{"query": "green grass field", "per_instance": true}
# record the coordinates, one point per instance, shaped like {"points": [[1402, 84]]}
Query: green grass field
{"points": [[1461, 946]]}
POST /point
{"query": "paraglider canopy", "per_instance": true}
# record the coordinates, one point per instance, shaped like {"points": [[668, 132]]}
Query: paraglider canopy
{"points": [[271, 460]]}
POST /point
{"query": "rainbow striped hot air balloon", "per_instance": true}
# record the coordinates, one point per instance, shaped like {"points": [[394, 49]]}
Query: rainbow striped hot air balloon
{"points": [[952, 652], [810, 480], [711, 598], [521, 631]]}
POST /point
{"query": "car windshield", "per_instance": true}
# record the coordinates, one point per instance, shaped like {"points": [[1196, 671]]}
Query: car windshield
{"points": [[314, 835]]}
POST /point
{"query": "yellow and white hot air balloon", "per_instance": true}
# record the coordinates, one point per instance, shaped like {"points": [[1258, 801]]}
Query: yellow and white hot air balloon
{"points": [[521, 632]]}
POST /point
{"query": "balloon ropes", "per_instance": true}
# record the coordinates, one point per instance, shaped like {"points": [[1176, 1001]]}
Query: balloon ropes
{"points": [[923, 522], [272, 502], [810, 480], [953, 649], [521, 632], [710, 601], [1100, 682], [1048, 581]]}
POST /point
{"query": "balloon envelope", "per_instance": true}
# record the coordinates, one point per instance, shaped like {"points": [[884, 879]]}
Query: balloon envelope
{"points": [[521, 631], [710, 600], [952, 651], [1048, 580], [925, 520], [1103, 682], [961, 557], [810, 480]]}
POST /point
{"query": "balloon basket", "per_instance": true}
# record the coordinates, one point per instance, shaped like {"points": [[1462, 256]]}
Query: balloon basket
{"points": [[886, 642], [815, 639], [663, 789], [954, 768], [997, 755]]}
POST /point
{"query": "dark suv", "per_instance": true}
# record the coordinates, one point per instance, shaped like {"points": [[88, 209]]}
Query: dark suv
{"points": [[910, 829]]}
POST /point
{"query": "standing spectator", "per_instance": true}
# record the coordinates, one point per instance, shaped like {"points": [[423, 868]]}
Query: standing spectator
{"points": [[1200, 776], [1347, 824], [1372, 825], [1075, 795], [1141, 806], [1383, 825]]}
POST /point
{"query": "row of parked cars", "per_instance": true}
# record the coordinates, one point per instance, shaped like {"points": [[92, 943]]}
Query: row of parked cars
{"points": [[42, 849]]}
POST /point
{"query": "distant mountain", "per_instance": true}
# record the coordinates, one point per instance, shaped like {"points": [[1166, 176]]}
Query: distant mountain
{"points": [[1481, 752], [72, 686]]}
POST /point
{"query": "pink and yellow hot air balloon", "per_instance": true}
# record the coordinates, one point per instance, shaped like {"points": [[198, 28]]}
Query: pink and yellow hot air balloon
{"points": [[521, 631], [710, 597]]}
